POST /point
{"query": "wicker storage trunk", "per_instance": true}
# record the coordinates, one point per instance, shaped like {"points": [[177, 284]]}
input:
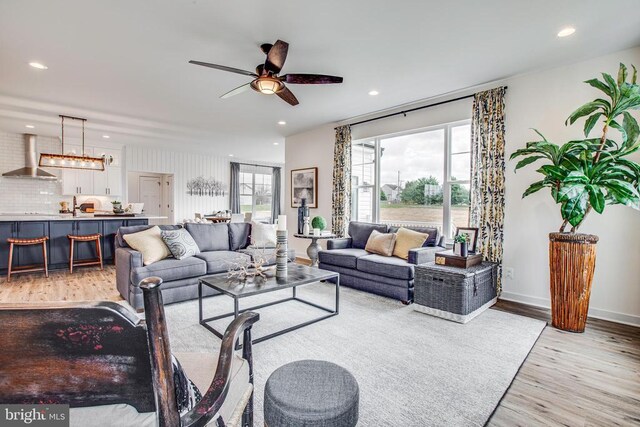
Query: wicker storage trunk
{"points": [[452, 293]]}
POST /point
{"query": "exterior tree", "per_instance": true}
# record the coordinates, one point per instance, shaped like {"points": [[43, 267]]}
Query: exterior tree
{"points": [[413, 191], [459, 194]]}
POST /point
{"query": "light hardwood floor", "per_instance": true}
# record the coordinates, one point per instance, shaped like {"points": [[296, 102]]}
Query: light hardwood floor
{"points": [[590, 379]]}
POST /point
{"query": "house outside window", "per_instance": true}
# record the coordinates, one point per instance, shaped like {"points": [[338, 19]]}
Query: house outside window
{"points": [[419, 177]]}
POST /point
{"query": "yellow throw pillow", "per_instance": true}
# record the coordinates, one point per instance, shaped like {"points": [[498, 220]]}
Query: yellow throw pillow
{"points": [[408, 239], [149, 243], [381, 243]]}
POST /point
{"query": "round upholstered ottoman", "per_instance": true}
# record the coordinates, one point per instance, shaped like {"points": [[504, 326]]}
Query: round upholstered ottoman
{"points": [[311, 393]]}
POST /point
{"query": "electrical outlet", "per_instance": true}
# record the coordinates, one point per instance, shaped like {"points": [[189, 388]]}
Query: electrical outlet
{"points": [[508, 272]]}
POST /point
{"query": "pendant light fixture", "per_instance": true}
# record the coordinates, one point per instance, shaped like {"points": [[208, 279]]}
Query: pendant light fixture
{"points": [[69, 161]]}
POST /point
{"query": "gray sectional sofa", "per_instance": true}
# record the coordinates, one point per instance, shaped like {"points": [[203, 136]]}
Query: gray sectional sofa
{"points": [[388, 276], [219, 244]]}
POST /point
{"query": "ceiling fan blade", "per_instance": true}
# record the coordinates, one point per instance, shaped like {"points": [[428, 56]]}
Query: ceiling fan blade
{"points": [[288, 96], [276, 56], [225, 68], [236, 91], [266, 47], [310, 79]]}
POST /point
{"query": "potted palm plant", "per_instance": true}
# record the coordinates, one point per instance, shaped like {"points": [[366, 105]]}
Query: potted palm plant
{"points": [[583, 176]]}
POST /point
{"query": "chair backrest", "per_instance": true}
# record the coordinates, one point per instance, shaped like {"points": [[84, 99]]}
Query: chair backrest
{"points": [[84, 355], [248, 216], [237, 218], [101, 353]]}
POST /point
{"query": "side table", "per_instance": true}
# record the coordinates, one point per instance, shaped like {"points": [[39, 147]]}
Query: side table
{"points": [[457, 294], [314, 247]]}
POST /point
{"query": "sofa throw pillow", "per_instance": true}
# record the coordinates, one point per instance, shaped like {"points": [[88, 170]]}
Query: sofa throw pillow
{"points": [[149, 243], [407, 239], [180, 243], [263, 235], [381, 243]]}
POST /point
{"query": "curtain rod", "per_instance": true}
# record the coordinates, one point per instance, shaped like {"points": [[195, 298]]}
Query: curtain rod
{"points": [[255, 164], [404, 112]]}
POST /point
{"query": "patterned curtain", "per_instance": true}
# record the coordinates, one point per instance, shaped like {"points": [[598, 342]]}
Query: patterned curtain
{"points": [[487, 174], [234, 188], [341, 196]]}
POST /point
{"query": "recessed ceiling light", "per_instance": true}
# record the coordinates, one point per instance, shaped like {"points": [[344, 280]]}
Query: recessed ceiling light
{"points": [[373, 92], [230, 155], [38, 65], [282, 123], [276, 143], [29, 126], [106, 136], [565, 32]]}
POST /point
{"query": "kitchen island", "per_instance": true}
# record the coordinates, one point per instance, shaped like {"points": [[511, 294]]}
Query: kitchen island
{"points": [[57, 227]]}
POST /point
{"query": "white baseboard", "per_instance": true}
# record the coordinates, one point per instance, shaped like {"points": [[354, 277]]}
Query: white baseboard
{"points": [[597, 313]]}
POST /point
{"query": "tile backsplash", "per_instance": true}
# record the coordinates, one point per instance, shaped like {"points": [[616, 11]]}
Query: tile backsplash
{"points": [[31, 195]]}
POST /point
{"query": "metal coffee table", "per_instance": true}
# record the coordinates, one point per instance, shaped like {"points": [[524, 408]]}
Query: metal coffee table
{"points": [[298, 275]]}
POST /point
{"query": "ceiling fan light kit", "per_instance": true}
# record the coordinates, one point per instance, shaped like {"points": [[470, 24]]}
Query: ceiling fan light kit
{"points": [[267, 79], [267, 85]]}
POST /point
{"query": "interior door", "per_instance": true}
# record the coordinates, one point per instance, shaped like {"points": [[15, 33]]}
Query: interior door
{"points": [[168, 199], [150, 192]]}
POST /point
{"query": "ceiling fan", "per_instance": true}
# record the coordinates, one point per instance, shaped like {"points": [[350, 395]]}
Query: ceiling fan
{"points": [[267, 79]]}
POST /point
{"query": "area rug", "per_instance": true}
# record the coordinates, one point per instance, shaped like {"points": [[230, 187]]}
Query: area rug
{"points": [[413, 369]]}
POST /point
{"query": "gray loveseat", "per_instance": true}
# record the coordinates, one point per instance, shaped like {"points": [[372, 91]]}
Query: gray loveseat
{"points": [[220, 244], [388, 276]]}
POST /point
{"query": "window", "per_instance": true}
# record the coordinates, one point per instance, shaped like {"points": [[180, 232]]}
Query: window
{"points": [[255, 192], [414, 178], [363, 155]]}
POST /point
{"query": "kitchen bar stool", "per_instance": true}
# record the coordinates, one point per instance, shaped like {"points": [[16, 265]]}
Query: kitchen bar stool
{"points": [[28, 268], [86, 238]]}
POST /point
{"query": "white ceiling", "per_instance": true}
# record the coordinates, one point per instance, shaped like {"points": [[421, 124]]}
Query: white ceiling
{"points": [[123, 63]]}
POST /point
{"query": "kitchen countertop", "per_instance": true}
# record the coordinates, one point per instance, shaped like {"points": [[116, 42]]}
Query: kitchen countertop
{"points": [[11, 217]]}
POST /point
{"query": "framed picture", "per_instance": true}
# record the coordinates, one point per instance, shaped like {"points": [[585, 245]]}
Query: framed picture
{"points": [[472, 237], [304, 185]]}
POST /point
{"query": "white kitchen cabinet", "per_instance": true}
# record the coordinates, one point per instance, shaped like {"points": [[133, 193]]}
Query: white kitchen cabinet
{"points": [[76, 182], [109, 182], [87, 182]]}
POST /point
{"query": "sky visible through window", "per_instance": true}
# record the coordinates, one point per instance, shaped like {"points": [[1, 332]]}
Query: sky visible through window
{"points": [[414, 156]]}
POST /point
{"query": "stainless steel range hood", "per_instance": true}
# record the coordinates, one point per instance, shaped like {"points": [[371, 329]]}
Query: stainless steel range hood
{"points": [[30, 169]]}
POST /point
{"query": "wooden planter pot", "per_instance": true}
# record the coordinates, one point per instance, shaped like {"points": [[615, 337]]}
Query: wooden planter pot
{"points": [[572, 261]]}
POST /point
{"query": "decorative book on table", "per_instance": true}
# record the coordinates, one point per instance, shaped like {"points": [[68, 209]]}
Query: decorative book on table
{"points": [[450, 259]]}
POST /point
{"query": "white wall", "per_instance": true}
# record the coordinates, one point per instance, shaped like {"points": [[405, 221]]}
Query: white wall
{"points": [[306, 150], [27, 195], [32, 195], [447, 113], [542, 100], [183, 166]]}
